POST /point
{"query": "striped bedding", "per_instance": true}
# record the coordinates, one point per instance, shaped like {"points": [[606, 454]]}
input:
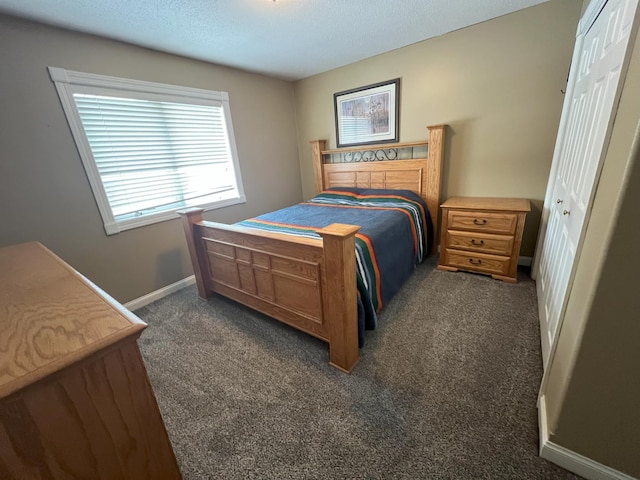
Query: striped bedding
{"points": [[395, 235]]}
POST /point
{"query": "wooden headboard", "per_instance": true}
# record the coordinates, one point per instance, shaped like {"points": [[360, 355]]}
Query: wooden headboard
{"points": [[421, 174]]}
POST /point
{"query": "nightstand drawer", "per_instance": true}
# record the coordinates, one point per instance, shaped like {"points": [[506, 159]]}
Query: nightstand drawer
{"points": [[483, 221], [481, 242], [479, 262]]}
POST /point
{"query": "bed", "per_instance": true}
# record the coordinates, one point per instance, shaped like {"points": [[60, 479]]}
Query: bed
{"points": [[302, 269]]}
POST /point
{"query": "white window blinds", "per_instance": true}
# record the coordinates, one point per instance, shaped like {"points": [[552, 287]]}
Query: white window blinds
{"points": [[156, 155], [148, 154]]}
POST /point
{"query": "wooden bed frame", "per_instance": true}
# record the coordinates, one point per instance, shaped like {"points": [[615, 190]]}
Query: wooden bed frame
{"points": [[309, 284]]}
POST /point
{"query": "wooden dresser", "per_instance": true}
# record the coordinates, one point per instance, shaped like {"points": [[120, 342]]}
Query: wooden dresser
{"points": [[75, 399], [483, 235]]}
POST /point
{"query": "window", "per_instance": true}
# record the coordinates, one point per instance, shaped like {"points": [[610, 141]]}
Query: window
{"points": [[150, 149]]}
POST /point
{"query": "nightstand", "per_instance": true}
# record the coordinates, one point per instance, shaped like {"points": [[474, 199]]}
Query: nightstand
{"points": [[483, 235]]}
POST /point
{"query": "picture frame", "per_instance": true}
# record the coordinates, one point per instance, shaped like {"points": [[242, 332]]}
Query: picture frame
{"points": [[368, 115]]}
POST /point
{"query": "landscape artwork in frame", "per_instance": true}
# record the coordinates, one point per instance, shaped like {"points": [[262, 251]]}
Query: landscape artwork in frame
{"points": [[367, 115]]}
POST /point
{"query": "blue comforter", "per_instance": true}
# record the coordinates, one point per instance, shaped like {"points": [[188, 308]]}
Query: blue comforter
{"points": [[395, 235]]}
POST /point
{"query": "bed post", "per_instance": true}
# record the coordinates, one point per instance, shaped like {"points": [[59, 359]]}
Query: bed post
{"points": [[339, 294], [317, 146], [434, 178], [191, 216]]}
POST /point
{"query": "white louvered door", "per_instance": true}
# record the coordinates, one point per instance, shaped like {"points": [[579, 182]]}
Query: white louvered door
{"points": [[593, 93]]}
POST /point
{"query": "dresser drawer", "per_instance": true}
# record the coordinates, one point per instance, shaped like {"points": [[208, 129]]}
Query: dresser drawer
{"points": [[481, 242], [483, 221], [478, 262]]}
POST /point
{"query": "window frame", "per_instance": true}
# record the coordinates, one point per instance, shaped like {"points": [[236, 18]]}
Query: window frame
{"points": [[68, 82]]}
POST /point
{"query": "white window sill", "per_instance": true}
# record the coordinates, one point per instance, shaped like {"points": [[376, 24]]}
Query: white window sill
{"points": [[123, 225]]}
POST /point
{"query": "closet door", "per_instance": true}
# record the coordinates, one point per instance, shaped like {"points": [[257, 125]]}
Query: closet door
{"points": [[589, 109]]}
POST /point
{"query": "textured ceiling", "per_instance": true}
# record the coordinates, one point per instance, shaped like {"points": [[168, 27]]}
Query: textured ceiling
{"points": [[289, 39]]}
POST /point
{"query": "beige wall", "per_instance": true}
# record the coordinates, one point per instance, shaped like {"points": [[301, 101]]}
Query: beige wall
{"points": [[593, 390], [44, 192], [497, 84]]}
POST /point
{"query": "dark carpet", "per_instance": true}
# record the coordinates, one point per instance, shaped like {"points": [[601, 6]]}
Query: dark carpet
{"points": [[445, 388]]}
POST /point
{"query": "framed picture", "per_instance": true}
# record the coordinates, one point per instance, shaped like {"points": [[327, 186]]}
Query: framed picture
{"points": [[368, 115]]}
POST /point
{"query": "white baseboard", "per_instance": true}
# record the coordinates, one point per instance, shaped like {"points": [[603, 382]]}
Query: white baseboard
{"points": [[525, 261], [158, 294], [570, 460]]}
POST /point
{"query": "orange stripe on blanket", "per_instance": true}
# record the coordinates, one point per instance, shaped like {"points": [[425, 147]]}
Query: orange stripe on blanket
{"points": [[376, 269]]}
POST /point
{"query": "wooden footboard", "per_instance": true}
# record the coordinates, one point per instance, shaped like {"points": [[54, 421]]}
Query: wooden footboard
{"points": [[307, 283]]}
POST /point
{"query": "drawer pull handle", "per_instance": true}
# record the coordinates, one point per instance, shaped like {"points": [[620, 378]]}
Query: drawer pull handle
{"points": [[475, 262], [479, 222], [477, 242]]}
